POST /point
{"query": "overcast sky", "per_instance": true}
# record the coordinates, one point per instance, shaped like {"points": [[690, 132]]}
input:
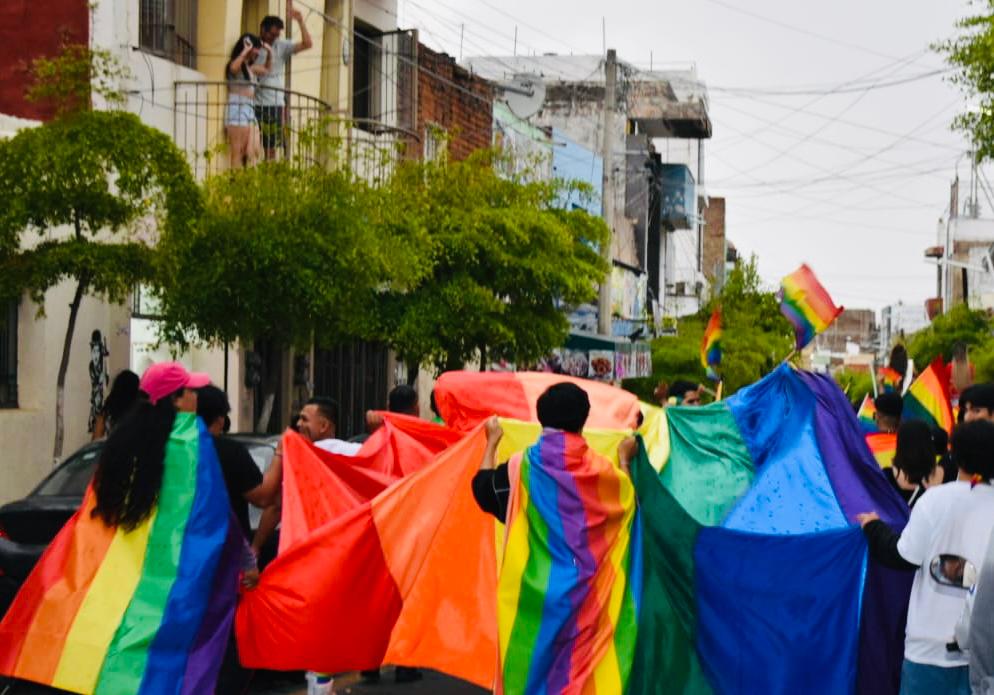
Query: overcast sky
{"points": [[848, 179]]}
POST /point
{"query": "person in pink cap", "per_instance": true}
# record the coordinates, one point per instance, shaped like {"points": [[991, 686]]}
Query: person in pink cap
{"points": [[171, 379]]}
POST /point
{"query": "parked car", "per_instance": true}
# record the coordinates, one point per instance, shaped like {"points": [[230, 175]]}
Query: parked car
{"points": [[28, 525]]}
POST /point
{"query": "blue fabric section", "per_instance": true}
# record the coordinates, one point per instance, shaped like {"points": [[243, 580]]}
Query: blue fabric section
{"points": [[792, 493], [204, 539], [779, 614]]}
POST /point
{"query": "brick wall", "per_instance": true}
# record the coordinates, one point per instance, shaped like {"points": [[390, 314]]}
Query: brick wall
{"points": [[467, 119], [713, 262], [29, 30]]}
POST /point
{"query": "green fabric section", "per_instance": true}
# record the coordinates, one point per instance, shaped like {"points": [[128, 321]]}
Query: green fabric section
{"points": [[665, 657], [709, 467], [124, 665], [626, 636], [531, 601]]}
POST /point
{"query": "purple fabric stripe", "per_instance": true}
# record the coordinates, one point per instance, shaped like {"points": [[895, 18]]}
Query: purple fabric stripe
{"points": [[204, 661], [860, 486]]}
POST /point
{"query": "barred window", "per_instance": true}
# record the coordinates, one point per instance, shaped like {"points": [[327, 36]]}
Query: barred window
{"points": [[168, 28], [8, 354]]}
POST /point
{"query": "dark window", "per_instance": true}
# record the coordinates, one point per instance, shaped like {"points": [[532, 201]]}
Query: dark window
{"points": [[355, 375], [8, 354], [366, 68], [168, 28]]}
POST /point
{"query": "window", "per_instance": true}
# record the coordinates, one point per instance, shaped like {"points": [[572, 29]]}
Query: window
{"points": [[8, 354], [366, 69], [168, 28]]}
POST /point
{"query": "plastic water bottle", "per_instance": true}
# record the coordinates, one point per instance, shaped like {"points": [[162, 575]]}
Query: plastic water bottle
{"points": [[320, 683]]}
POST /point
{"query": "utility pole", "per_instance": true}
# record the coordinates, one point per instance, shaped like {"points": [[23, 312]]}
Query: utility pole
{"points": [[607, 189]]}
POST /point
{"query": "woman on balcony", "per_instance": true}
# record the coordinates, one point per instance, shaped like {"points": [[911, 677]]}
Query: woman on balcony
{"points": [[242, 75]]}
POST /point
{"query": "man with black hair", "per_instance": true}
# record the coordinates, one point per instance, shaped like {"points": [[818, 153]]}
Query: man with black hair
{"points": [[403, 399], [889, 406], [977, 403], [684, 393], [950, 522], [318, 423], [270, 98]]}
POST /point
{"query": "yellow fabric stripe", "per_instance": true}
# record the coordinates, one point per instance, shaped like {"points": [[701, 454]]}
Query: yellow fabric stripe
{"points": [[509, 586], [101, 612]]}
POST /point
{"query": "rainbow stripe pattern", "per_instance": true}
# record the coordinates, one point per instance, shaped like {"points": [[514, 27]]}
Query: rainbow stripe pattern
{"points": [[566, 602], [110, 611], [711, 346], [890, 378], [928, 398], [806, 305], [883, 446], [866, 415]]}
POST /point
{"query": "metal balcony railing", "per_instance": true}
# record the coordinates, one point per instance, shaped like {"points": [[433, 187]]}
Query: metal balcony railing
{"points": [[313, 133]]}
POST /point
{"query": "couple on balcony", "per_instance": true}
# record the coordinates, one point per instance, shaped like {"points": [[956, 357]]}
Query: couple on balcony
{"points": [[254, 116]]}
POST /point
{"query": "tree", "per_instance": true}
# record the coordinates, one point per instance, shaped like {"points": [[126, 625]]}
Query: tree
{"points": [[960, 324], [108, 178], [755, 335], [507, 263], [971, 54]]}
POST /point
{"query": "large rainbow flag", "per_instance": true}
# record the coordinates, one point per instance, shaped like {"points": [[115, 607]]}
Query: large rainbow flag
{"points": [[111, 611], [928, 398], [806, 305], [730, 495]]}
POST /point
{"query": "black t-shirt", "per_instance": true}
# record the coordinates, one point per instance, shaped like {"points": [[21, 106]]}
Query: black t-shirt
{"points": [[492, 489], [240, 475]]}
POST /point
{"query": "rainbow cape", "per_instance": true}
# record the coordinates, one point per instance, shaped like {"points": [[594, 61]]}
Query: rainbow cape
{"points": [[890, 378], [865, 415], [147, 611], [566, 605], [883, 446], [928, 398], [806, 305], [711, 346]]}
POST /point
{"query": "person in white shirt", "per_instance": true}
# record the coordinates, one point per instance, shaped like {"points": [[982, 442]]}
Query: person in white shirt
{"points": [[948, 530], [318, 422], [270, 98]]}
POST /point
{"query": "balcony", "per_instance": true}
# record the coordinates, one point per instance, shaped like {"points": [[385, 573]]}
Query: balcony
{"points": [[678, 197], [314, 133]]}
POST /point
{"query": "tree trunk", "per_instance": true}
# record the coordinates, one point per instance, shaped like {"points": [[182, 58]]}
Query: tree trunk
{"points": [[60, 384]]}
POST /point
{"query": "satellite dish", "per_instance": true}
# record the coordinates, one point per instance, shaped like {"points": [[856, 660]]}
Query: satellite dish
{"points": [[524, 95]]}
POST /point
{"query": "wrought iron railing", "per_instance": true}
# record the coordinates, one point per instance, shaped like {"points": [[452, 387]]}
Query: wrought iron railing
{"points": [[312, 133]]}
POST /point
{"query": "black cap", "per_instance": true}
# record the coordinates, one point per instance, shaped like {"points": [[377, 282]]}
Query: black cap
{"points": [[889, 404]]}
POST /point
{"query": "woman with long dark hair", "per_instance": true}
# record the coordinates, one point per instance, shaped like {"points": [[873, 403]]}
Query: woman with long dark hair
{"points": [[241, 74], [122, 397], [916, 461]]}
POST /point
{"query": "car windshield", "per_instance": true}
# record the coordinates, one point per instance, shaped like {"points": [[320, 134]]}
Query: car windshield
{"points": [[71, 478]]}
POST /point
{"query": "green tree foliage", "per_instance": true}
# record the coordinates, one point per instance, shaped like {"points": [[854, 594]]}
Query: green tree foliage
{"points": [[755, 335], [507, 262], [971, 54], [855, 384], [69, 80], [284, 253], [81, 196], [959, 324]]}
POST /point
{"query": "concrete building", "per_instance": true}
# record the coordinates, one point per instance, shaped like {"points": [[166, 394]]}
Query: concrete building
{"points": [[714, 245], [359, 77], [455, 107], [900, 321]]}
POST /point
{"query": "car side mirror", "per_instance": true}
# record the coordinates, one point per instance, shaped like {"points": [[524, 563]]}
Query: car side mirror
{"points": [[954, 571]]}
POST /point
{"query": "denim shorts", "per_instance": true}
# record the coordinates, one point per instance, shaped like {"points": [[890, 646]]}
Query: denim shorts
{"points": [[924, 679], [240, 111]]}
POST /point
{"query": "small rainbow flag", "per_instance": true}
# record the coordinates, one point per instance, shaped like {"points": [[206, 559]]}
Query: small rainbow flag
{"points": [[711, 346], [110, 611], [891, 378], [806, 305], [567, 609], [883, 446], [865, 415], [928, 398]]}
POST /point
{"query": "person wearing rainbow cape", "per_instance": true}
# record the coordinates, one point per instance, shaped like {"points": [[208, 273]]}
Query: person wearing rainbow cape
{"points": [[565, 598]]}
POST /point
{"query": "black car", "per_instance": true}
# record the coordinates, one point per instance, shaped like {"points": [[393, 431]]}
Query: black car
{"points": [[28, 525]]}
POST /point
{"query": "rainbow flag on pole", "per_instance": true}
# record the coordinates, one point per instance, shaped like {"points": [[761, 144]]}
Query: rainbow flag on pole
{"points": [[891, 378], [110, 611], [711, 346], [566, 604], [928, 398], [806, 305], [883, 446], [866, 415]]}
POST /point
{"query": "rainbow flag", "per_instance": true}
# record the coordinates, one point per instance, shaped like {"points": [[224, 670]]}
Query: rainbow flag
{"points": [[882, 445], [110, 611], [711, 346], [928, 398], [891, 379], [806, 305], [563, 579], [866, 413]]}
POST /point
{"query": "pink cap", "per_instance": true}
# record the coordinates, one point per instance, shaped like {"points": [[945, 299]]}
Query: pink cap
{"points": [[165, 378]]}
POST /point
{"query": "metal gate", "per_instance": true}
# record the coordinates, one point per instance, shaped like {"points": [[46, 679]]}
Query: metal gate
{"points": [[355, 375]]}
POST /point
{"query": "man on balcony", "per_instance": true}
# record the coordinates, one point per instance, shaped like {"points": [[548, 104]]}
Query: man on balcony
{"points": [[270, 98]]}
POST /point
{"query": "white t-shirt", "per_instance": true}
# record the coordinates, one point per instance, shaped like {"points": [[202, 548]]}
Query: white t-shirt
{"points": [[948, 519], [282, 49], [339, 446]]}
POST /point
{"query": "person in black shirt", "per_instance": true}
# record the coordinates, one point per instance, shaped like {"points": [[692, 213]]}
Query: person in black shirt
{"points": [[915, 465]]}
